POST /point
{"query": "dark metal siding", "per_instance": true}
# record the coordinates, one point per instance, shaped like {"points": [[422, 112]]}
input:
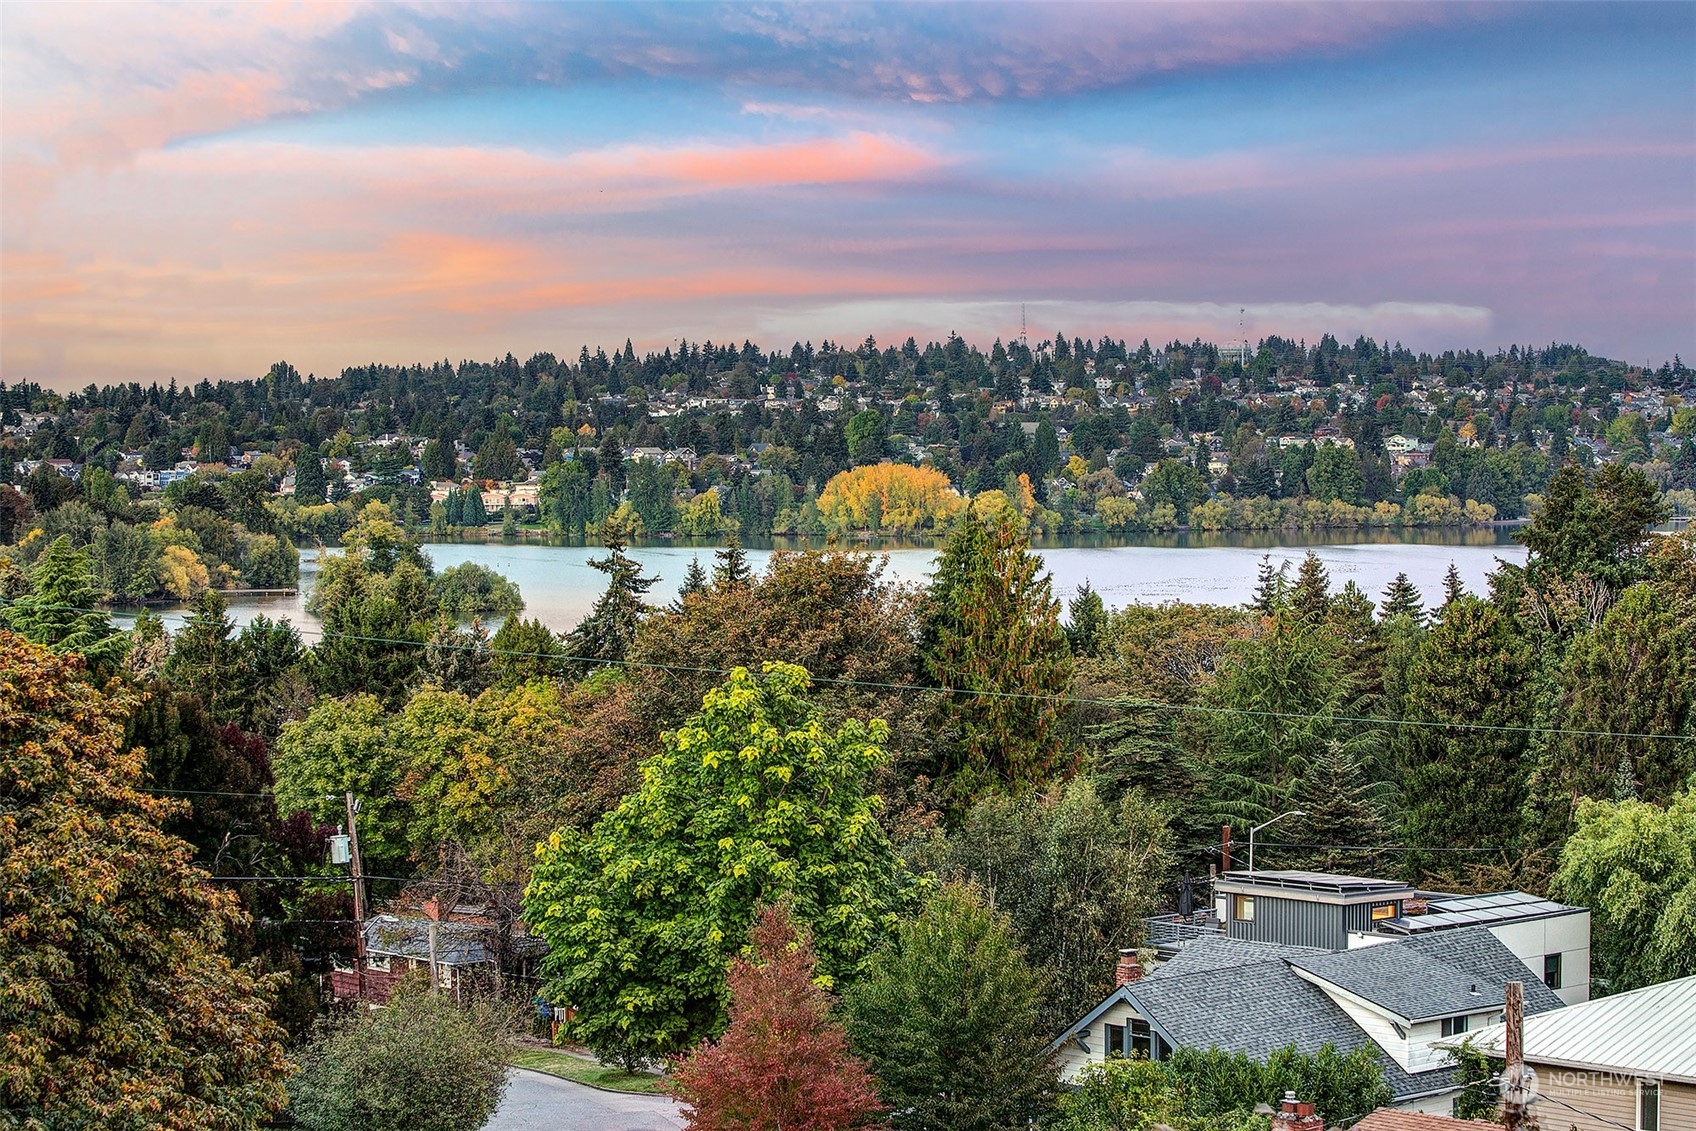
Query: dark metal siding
{"points": [[1359, 916], [1294, 922]]}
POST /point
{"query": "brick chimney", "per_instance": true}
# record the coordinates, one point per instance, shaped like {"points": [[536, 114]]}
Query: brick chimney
{"points": [[432, 908], [1129, 969], [1295, 1115]]}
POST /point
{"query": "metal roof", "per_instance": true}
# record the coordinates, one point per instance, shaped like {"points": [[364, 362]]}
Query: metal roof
{"points": [[1647, 1032], [1448, 911], [1326, 882]]}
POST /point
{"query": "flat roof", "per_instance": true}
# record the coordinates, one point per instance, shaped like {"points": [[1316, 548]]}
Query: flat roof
{"points": [[1449, 911], [1316, 883]]}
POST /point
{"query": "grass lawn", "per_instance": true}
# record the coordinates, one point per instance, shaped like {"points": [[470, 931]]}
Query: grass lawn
{"points": [[557, 1062]]}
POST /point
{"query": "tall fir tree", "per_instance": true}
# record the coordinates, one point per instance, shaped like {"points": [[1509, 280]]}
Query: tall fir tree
{"points": [[605, 635], [310, 482], [694, 581], [1311, 595], [730, 565], [62, 609], [992, 641], [1402, 599], [1464, 785], [1344, 828], [1453, 588], [1088, 621]]}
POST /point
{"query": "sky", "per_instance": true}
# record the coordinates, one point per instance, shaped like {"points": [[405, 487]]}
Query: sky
{"points": [[196, 191]]}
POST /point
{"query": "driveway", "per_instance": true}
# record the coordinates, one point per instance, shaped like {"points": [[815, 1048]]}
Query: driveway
{"points": [[535, 1101]]}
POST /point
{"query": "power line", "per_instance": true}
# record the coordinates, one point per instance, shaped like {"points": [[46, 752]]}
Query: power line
{"points": [[1124, 703]]}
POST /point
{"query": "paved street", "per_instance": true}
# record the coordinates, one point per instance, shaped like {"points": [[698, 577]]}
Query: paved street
{"points": [[536, 1101]]}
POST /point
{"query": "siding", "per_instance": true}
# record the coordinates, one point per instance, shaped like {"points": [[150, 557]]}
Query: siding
{"points": [[1293, 922], [1605, 1102]]}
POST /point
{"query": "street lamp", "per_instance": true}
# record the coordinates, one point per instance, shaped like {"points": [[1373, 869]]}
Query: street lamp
{"points": [[1268, 824]]}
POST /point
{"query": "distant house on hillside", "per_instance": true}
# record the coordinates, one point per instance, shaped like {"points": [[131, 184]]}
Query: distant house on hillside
{"points": [[463, 953]]}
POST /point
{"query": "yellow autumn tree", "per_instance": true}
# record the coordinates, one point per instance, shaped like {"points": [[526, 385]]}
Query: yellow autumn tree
{"points": [[894, 497]]}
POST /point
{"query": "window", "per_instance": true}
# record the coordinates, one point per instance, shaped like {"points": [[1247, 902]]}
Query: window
{"points": [[1115, 1043], [1141, 1038], [1244, 909], [1649, 1105], [1552, 971], [1382, 911], [1454, 1026]]}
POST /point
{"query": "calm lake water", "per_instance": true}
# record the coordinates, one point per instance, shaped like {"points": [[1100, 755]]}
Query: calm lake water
{"points": [[559, 586]]}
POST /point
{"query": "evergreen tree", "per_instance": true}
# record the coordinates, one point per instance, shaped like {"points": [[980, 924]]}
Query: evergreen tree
{"points": [[992, 640], [1272, 590], [61, 611], [1343, 807], [1311, 597], [731, 564], [1453, 588], [1088, 621], [1402, 599], [457, 659], [472, 512], [948, 1017], [201, 660], [524, 650], [453, 507], [1465, 786], [605, 635], [309, 479], [694, 581]]}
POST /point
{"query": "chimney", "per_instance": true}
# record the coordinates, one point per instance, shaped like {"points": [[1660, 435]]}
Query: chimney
{"points": [[433, 908], [1129, 969], [1295, 1115]]}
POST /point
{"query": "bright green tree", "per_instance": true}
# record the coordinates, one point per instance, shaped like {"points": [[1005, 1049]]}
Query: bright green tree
{"points": [[1592, 525], [751, 801], [523, 650], [992, 640], [1088, 621], [1634, 865], [344, 745], [948, 1015], [1402, 599]]}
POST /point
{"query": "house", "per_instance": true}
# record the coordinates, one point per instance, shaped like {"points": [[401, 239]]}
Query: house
{"points": [[1337, 912], [1624, 1061], [398, 944], [1396, 999]]}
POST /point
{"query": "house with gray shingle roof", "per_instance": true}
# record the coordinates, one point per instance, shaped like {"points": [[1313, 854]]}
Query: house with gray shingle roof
{"points": [[1395, 997]]}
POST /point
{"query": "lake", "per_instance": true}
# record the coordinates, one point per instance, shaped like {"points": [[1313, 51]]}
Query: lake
{"points": [[559, 586]]}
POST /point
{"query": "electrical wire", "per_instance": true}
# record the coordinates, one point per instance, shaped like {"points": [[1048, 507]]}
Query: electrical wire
{"points": [[1123, 703]]}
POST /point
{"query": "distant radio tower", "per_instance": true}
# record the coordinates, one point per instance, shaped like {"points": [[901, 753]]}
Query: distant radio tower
{"points": [[1022, 341]]}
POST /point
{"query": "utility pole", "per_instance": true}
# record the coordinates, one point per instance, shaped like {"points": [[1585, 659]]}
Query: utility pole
{"points": [[1224, 848], [1518, 1080], [358, 896]]}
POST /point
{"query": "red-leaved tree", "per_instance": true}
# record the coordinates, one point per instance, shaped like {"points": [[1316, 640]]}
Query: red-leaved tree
{"points": [[783, 1064]]}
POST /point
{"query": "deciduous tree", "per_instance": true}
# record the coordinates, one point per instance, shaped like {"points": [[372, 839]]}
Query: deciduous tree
{"points": [[118, 1006], [751, 800], [783, 1063]]}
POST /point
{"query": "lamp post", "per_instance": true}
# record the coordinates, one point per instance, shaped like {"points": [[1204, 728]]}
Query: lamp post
{"points": [[1268, 824]]}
